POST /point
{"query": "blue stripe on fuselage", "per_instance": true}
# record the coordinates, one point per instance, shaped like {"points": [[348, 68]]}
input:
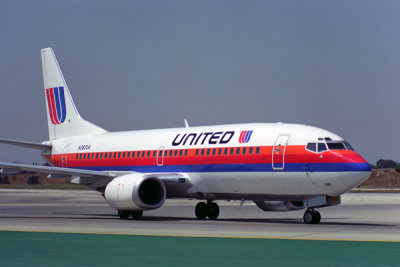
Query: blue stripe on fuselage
{"points": [[289, 167]]}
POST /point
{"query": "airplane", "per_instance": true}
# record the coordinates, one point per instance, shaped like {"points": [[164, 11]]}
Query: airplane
{"points": [[278, 166]]}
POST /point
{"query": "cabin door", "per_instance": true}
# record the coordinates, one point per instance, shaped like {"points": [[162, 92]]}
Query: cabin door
{"points": [[64, 156], [278, 152], [160, 156]]}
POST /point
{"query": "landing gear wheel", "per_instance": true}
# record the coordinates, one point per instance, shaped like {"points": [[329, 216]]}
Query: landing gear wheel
{"points": [[124, 214], [312, 217], [201, 210], [213, 211], [136, 214], [317, 217]]}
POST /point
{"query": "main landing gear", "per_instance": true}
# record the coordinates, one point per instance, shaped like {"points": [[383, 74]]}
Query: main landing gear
{"points": [[125, 214], [312, 216], [209, 209]]}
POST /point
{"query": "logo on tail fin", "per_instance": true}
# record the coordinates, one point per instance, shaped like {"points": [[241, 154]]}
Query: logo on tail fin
{"points": [[56, 103]]}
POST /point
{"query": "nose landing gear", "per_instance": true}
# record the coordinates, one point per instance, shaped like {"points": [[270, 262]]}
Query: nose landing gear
{"points": [[312, 216], [209, 209]]}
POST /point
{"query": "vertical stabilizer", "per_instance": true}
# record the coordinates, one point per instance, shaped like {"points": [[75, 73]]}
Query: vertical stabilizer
{"points": [[62, 116]]}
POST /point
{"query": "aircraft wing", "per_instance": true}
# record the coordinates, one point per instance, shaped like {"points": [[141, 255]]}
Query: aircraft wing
{"points": [[176, 183], [55, 170]]}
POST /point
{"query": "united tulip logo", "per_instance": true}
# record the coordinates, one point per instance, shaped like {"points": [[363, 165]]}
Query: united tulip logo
{"points": [[56, 103], [245, 136]]}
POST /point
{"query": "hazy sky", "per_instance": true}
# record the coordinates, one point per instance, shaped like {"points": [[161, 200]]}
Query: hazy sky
{"points": [[150, 64]]}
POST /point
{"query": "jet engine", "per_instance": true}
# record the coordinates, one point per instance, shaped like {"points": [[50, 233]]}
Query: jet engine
{"points": [[280, 205], [135, 192]]}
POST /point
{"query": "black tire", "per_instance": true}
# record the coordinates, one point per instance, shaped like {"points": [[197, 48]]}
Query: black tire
{"points": [[317, 217], [308, 217], [312, 217], [213, 211], [201, 210], [136, 214], [124, 214]]}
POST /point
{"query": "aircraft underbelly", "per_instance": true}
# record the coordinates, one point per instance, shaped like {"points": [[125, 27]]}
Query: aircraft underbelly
{"points": [[268, 184]]}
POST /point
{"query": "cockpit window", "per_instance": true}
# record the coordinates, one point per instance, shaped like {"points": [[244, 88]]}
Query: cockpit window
{"points": [[321, 147], [336, 146], [316, 147], [349, 147], [339, 145], [312, 147]]}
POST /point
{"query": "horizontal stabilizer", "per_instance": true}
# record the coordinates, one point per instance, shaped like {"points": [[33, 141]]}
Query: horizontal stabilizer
{"points": [[55, 170], [26, 144]]}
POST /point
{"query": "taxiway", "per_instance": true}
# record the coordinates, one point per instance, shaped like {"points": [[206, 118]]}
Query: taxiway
{"points": [[361, 216]]}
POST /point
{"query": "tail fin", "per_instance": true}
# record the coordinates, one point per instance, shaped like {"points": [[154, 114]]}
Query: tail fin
{"points": [[62, 116]]}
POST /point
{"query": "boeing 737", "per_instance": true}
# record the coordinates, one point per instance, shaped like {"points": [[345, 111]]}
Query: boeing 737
{"points": [[278, 166]]}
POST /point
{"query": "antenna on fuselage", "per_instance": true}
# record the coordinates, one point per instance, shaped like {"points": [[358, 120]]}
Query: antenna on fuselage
{"points": [[186, 123]]}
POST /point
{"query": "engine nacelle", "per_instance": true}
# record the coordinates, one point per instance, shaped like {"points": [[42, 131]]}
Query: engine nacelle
{"points": [[135, 192], [280, 205]]}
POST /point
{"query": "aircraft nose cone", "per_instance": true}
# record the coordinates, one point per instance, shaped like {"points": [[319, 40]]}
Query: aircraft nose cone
{"points": [[356, 172]]}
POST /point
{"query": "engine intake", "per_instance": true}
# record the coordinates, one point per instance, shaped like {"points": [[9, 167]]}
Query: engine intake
{"points": [[135, 192]]}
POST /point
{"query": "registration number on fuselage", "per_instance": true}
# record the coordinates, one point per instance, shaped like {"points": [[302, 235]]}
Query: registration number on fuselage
{"points": [[84, 147]]}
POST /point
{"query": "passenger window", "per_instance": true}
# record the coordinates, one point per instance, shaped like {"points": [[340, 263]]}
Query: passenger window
{"points": [[115, 155], [197, 152], [208, 152], [186, 152], [213, 151], [231, 150], [143, 153], [101, 155], [251, 150], [133, 154], [312, 147], [154, 154], [225, 151], [244, 151], [170, 153], [124, 154], [258, 150], [321, 147], [119, 155], [84, 155], [148, 154], [128, 155], [97, 155], [238, 151], [202, 152], [76, 156], [219, 151], [175, 153], [180, 152]]}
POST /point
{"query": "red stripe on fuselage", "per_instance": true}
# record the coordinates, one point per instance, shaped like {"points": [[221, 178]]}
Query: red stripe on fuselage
{"points": [[293, 154]]}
